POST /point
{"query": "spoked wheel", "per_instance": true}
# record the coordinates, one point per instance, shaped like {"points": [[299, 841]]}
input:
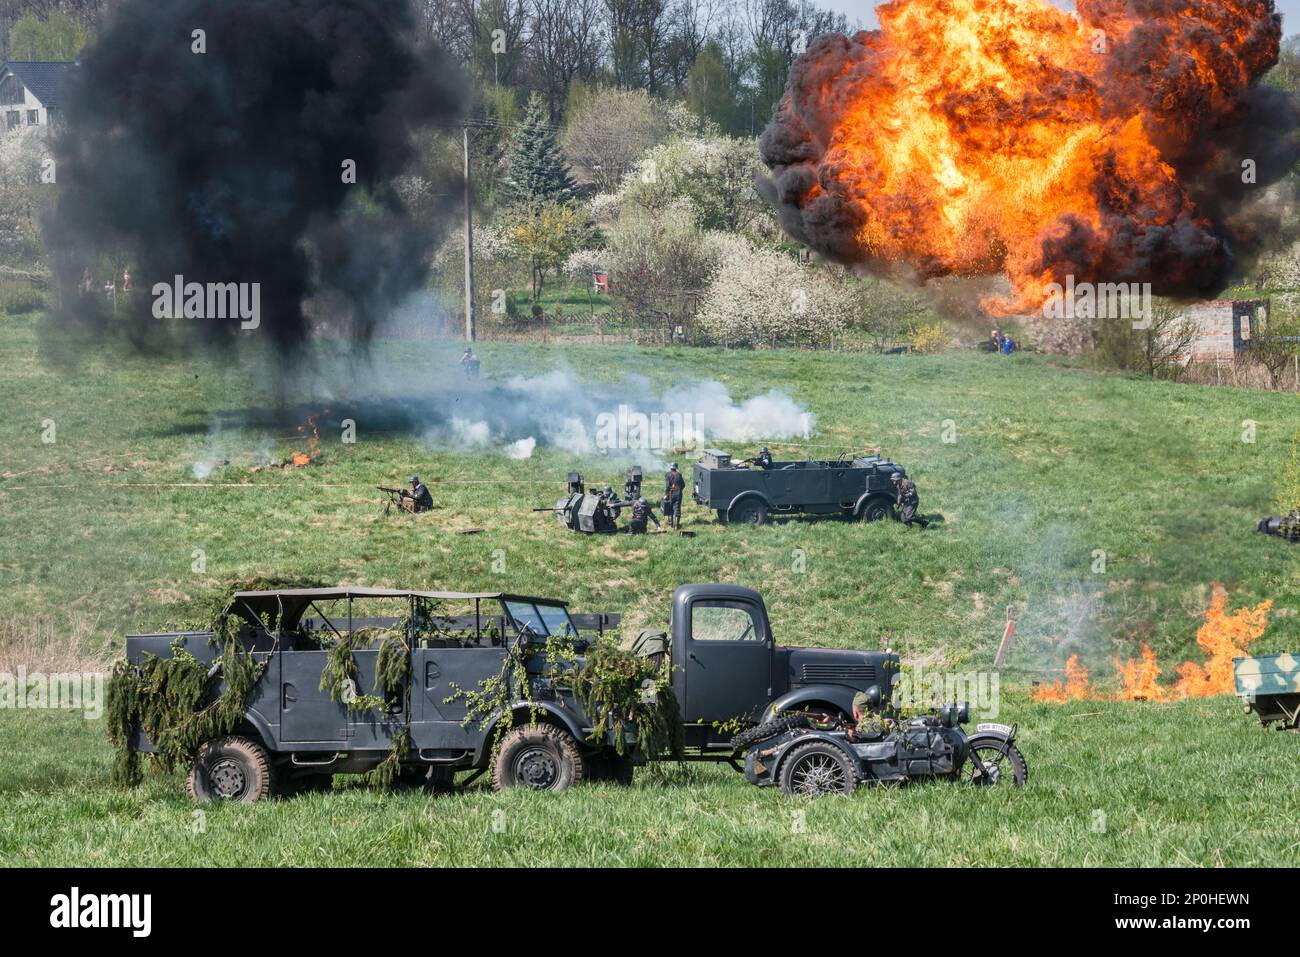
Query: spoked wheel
{"points": [[1005, 764], [818, 768]]}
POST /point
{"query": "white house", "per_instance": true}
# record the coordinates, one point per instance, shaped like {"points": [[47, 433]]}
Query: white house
{"points": [[29, 92]]}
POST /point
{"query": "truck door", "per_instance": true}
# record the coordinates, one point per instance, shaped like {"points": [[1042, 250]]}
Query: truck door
{"points": [[728, 667], [438, 672], [307, 714]]}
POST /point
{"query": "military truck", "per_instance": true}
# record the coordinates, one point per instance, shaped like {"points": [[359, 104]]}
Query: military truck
{"points": [[1270, 687], [852, 486], [727, 670]]}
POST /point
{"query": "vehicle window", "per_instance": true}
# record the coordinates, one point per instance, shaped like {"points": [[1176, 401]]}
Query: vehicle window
{"points": [[558, 621], [725, 621], [525, 613]]}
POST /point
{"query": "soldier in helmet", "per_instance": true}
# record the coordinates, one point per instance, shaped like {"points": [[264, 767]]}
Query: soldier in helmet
{"points": [[908, 501], [417, 498], [641, 512], [763, 459], [674, 486], [609, 507], [867, 723]]}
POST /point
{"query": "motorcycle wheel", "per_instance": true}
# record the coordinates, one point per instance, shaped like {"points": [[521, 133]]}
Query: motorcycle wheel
{"points": [[1004, 761]]}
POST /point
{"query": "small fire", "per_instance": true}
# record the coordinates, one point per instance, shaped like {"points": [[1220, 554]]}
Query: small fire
{"points": [[299, 459], [1075, 686], [1223, 636]]}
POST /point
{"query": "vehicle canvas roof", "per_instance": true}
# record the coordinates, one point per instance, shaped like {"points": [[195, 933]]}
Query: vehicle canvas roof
{"points": [[325, 593]]}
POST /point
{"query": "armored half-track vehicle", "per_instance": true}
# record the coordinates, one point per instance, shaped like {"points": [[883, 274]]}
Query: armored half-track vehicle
{"points": [[727, 671], [853, 486], [808, 758], [1270, 687], [1283, 526]]}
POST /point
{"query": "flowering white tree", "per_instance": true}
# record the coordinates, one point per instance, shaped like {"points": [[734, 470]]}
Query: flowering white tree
{"points": [[23, 153], [761, 296]]}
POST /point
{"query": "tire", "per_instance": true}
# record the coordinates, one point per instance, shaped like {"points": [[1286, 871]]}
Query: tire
{"points": [[818, 768], [230, 769], [1005, 758], [875, 510], [748, 512], [538, 756], [769, 729]]}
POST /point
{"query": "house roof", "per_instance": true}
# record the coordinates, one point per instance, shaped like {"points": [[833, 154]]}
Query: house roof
{"points": [[42, 77]]}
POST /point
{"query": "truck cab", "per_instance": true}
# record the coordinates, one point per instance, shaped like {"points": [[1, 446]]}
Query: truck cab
{"points": [[728, 671]]}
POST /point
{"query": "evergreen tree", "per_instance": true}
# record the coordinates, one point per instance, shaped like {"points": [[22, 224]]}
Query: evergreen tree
{"points": [[536, 170]]}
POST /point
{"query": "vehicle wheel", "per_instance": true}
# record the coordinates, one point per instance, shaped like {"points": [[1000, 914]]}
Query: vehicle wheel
{"points": [[817, 768], [1004, 761], [538, 756], [876, 510], [769, 729], [748, 513], [230, 769]]}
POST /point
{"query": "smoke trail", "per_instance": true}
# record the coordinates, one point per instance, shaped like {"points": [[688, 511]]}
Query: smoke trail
{"points": [[223, 157]]}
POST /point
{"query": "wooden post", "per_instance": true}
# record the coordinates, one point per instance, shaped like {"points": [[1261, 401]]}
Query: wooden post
{"points": [[470, 330]]}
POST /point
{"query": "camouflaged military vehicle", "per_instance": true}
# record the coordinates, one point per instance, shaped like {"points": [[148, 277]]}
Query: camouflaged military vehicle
{"points": [[727, 672], [1283, 526], [852, 486], [1270, 687]]}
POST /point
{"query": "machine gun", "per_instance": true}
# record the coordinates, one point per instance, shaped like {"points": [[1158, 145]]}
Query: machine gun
{"points": [[395, 496], [1283, 526]]}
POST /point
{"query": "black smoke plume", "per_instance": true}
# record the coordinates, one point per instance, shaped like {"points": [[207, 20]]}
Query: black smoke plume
{"points": [[227, 166]]}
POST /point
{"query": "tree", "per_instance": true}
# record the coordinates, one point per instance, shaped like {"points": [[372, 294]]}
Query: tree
{"points": [[57, 37], [536, 170], [565, 43], [547, 233], [765, 297], [1165, 341], [22, 194], [714, 176], [608, 133], [1275, 341], [710, 91], [659, 265]]}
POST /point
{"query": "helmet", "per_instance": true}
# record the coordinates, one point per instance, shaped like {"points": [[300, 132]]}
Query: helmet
{"points": [[765, 448], [642, 501], [673, 467], [896, 477], [608, 490], [415, 480]]}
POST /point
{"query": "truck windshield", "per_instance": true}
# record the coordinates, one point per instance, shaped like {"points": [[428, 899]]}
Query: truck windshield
{"points": [[542, 620]]}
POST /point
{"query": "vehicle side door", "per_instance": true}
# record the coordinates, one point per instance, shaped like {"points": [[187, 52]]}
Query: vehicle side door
{"points": [[308, 715], [728, 666]]}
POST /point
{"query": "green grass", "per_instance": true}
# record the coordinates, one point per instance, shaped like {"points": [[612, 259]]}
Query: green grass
{"points": [[1194, 783], [98, 531]]}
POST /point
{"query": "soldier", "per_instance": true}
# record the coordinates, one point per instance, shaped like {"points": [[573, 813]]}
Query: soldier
{"points": [[469, 363], [418, 496], [867, 726], [641, 511], [674, 486], [764, 459], [908, 500]]}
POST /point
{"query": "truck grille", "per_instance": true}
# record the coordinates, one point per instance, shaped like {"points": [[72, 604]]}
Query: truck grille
{"points": [[812, 673]]}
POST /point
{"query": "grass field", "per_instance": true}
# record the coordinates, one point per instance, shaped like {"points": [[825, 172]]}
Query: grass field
{"points": [[1049, 466]]}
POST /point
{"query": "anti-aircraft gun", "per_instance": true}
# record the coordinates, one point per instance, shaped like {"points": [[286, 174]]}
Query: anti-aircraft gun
{"points": [[593, 512]]}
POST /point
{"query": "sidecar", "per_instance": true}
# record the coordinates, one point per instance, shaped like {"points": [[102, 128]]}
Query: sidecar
{"points": [[811, 761]]}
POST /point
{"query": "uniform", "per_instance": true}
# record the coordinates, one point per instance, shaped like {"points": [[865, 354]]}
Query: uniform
{"points": [[640, 514], [674, 486], [908, 500]]}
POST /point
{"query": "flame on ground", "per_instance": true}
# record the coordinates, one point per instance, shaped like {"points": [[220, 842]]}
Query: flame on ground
{"points": [[1223, 636], [986, 137], [299, 459]]}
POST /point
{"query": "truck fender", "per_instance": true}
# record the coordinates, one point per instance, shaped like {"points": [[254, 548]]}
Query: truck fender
{"points": [[521, 709], [261, 728], [865, 497], [840, 696], [751, 493]]}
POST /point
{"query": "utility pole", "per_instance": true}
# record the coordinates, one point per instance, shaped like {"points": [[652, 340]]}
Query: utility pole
{"points": [[469, 248]]}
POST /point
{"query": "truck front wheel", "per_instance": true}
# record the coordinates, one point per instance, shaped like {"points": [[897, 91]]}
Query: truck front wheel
{"points": [[537, 756], [230, 769]]}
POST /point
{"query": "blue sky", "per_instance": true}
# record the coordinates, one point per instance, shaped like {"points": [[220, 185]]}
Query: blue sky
{"points": [[863, 13]]}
